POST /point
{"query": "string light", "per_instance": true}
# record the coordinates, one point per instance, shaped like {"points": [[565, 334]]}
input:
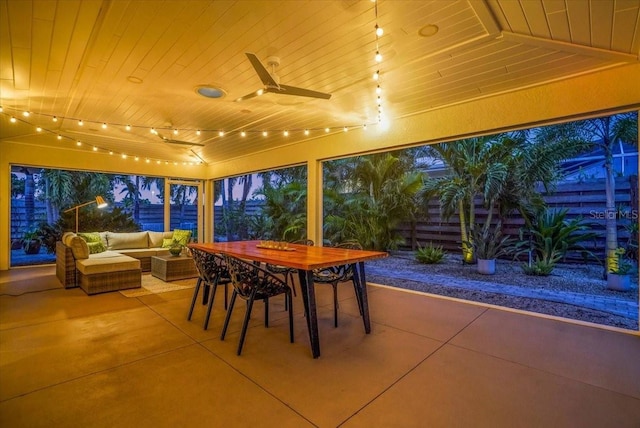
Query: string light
{"points": [[78, 143], [378, 57], [154, 131]]}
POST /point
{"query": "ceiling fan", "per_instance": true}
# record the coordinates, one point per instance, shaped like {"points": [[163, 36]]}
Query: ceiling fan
{"points": [[172, 141], [272, 84]]}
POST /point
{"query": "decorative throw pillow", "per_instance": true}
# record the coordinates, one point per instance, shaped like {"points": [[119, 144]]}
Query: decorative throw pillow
{"points": [[155, 238], [79, 248], [90, 236], [167, 243], [96, 247], [182, 236]]}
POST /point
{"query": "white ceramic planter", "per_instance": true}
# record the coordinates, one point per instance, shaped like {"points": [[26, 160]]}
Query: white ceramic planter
{"points": [[487, 267], [618, 282]]}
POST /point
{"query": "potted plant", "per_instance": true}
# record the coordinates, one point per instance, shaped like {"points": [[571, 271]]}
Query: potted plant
{"points": [[619, 275], [176, 248], [488, 244], [31, 242]]}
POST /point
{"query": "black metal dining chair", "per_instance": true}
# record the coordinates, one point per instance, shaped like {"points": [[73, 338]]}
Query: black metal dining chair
{"points": [[250, 283], [287, 272], [335, 275], [212, 271]]}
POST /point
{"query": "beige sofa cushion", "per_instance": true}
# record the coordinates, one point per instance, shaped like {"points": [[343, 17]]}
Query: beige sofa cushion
{"points": [[155, 238], [108, 261], [144, 252], [79, 248], [121, 241]]}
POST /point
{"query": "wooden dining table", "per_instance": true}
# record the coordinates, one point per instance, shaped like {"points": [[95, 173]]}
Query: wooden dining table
{"points": [[305, 259]]}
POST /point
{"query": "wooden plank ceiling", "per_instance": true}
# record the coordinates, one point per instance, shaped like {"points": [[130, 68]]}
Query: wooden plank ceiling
{"points": [[138, 63]]}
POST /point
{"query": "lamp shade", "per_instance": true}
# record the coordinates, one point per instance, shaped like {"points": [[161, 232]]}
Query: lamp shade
{"points": [[101, 202]]}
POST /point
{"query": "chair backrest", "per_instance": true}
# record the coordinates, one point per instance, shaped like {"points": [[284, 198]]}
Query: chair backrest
{"points": [[209, 265], [346, 271], [247, 277], [308, 242]]}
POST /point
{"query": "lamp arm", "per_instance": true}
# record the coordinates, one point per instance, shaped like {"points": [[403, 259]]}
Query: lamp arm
{"points": [[80, 206]]}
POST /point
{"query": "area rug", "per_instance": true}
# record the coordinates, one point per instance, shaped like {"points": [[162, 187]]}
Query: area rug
{"points": [[153, 285]]}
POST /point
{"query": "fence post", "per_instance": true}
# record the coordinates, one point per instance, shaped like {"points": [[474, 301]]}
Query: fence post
{"points": [[633, 193]]}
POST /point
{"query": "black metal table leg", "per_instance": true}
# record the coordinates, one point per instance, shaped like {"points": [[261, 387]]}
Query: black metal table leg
{"points": [[309, 300]]}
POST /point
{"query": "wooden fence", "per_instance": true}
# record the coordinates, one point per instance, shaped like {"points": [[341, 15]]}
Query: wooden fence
{"points": [[584, 200]]}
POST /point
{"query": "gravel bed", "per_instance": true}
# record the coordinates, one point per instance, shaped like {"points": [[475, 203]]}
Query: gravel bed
{"points": [[580, 278]]}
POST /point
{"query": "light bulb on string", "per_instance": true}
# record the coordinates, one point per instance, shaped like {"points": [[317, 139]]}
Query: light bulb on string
{"points": [[379, 31], [378, 56], [376, 75]]}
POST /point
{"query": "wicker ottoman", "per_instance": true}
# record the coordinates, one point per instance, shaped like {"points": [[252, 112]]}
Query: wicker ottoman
{"points": [[171, 268], [108, 273]]}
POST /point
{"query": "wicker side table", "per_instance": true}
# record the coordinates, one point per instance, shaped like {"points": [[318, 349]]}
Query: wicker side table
{"points": [[171, 268]]}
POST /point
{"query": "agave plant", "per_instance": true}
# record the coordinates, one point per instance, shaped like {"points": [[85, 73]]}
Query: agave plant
{"points": [[489, 243], [430, 254], [551, 237]]}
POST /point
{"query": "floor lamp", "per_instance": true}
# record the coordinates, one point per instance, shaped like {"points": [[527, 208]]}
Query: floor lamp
{"points": [[99, 201]]}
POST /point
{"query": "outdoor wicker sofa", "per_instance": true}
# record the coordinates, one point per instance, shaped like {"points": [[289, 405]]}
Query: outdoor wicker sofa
{"points": [[107, 261]]}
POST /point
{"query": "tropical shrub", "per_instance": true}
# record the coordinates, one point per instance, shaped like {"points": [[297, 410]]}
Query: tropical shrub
{"points": [[538, 268], [551, 237], [489, 243], [115, 220], [430, 254]]}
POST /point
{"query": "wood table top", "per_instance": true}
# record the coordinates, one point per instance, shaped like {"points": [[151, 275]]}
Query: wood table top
{"points": [[303, 257]]}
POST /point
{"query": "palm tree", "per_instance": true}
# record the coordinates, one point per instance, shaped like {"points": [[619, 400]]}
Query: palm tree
{"points": [[367, 197], [476, 170], [502, 171], [58, 191], [131, 192], [606, 132]]}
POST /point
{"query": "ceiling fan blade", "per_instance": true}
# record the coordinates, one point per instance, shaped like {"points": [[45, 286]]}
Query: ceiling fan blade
{"points": [[292, 90], [264, 75], [184, 143], [248, 96]]}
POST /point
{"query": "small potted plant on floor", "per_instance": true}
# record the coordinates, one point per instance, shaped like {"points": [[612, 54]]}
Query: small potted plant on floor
{"points": [[619, 275], [31, 242], [488, 244]]}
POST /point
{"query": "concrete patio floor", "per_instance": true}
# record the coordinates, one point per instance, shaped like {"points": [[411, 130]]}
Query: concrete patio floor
{"points": [[68, 359]]}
